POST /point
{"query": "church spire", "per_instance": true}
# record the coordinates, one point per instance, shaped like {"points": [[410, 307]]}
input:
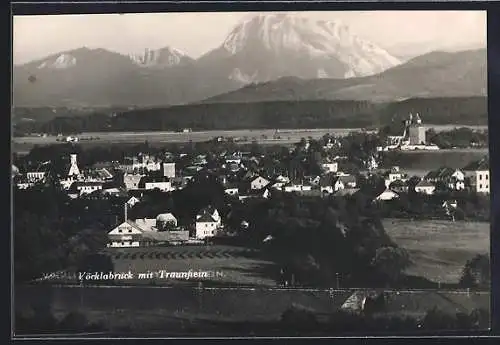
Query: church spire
{"points": [[73, 170]]}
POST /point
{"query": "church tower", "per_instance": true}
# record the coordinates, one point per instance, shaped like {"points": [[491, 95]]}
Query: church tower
{"points": [[73, 170]]}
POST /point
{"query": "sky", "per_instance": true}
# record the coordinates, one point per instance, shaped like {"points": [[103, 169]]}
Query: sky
{"points": [[401, 32]]}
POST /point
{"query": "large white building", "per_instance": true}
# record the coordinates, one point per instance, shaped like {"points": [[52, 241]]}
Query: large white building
{"points": [[478, 174], [208, 221]]}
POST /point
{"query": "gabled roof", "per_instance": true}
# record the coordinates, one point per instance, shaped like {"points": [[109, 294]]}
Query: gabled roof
{"points": [[424, 183], [441, 173], [398, 183], [131, 223], [205, 218]]}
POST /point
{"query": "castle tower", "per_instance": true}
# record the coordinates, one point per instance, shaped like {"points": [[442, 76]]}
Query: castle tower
{"points": [[73, 170], [417, 132]]}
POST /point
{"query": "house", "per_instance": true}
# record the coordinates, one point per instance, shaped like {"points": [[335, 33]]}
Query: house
{"points": [[392, 175], [329, 166], [158, 182], [83, 187], [478, 175], [127, 234], [399, 186], [453, 179], [206, 225], [387, 195], [262, 193], [146, 162], [132, 201], [296, 187], [425, 187], [131, 181], [213, 212], [35, 176], [166, 221], [258, 182], [282, 179], [168, 170]]}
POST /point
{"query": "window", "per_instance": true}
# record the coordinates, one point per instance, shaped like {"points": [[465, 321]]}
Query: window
{"points": [[129, 230], [480, 177], [120, 230], [486, 177], [480, 186]]}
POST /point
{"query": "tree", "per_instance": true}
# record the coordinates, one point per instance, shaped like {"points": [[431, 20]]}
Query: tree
{"points": [[477, 272], [391, 262]]}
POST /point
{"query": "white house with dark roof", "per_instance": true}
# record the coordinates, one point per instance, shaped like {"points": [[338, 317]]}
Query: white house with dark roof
{"points": [[206, 226]]}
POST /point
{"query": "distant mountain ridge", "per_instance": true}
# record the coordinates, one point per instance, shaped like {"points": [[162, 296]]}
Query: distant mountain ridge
{"points": [[265, 57], [436, 74]]}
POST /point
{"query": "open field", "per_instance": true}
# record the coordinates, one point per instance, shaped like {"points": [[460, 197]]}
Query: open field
{"points": [[263, 136], [440, 249], [231, 265]]}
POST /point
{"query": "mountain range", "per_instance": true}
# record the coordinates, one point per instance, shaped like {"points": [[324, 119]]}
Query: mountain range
{"points": [[265, 57]]}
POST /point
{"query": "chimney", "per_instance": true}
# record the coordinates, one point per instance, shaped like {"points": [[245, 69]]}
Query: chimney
{"points": [[125, 212]]}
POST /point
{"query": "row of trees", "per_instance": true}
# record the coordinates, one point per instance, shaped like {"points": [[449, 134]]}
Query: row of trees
{"points": [[458, 138], [274, 114]]}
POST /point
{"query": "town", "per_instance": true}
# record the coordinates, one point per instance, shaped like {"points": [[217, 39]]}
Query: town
{"points": [[315, 168]]}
